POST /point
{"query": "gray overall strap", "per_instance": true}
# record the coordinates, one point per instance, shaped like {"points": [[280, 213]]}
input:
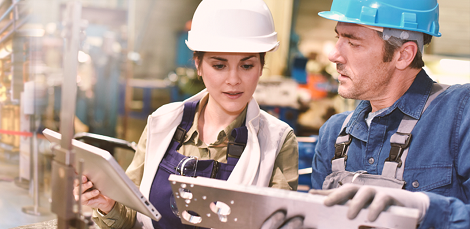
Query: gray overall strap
{"points": [[338, 163], [400, 141]]}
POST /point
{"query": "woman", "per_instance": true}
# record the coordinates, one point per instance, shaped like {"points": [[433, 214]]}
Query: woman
{"points": [[220, 132]]}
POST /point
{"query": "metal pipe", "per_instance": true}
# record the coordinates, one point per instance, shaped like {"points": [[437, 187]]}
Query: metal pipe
{"points": [[69, 84], [9, 10]]}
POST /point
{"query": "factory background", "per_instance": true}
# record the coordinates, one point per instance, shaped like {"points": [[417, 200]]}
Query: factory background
{"points": [[133, 59]]}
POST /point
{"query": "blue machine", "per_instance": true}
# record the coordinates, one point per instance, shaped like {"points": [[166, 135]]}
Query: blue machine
{"points": [[306, 151]]}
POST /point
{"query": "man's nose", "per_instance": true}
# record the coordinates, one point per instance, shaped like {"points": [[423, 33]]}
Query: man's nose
{"points": [[335, 55]]}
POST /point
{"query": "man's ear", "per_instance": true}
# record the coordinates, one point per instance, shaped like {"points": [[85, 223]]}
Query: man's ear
{"points": [[406, 54]]}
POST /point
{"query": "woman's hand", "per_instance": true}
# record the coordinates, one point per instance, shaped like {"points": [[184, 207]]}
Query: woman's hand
{"points": [[92, 197]]}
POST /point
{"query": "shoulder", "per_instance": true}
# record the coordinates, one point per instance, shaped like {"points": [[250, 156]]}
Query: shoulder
{"points": [[454, 100], [168, 108], [271, 121], [177, 107], [334, 123], [457, 91], [330, 130]]}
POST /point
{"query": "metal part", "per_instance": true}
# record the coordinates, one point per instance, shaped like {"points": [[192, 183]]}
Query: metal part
{"points": [[212, 203], [62, 187]]}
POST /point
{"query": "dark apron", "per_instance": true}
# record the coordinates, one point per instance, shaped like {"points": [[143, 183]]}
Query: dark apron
{"points": [[175, 163]]}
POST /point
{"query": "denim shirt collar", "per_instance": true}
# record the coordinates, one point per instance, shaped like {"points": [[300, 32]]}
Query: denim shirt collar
{"points": [[411, 104]]}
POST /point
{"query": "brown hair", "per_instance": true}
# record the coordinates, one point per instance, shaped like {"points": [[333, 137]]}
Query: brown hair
{"points": [[393, 43]]}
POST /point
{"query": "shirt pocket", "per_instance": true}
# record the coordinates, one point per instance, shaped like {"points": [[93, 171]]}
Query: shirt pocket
{"points": [[432, 178]]}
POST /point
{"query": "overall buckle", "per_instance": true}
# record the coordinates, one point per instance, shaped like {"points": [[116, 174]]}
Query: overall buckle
{"points": [[235, 149], [341, 148], [397, 149]]}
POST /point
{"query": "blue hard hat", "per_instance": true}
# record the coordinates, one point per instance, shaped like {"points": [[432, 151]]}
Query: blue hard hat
{"points": [[414, 15]]}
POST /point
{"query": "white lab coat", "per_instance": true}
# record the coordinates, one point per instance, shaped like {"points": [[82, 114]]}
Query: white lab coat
{"points": [[266, 135]]}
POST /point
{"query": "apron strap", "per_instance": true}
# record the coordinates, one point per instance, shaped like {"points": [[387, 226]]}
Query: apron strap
{"points": [[236, 148], [186, 123], [341, 148], [400, 141]]}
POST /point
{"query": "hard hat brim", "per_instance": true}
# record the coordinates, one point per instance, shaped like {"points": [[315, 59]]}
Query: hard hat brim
{"points": [[235, 46], [336, 16]]}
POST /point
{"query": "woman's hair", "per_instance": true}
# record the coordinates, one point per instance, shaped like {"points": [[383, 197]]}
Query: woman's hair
{"points": [[198, 55]]}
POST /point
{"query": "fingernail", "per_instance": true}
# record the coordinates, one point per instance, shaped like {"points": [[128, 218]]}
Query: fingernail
{"points": [[96, 192]]}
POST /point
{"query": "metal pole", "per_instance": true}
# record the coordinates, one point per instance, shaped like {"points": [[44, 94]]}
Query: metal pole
{"points": [[35, 209], [63, 173], [34, 183], [130, 65]]}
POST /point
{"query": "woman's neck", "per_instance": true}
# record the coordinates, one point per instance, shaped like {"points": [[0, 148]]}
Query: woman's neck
{"points": [[212, 120]]}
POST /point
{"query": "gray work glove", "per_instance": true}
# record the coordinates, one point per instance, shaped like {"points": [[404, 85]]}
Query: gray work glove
{"points": [[378, 197], [278, 221]]}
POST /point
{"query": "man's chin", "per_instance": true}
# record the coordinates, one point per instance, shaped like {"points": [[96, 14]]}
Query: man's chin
{"points": [[345, 93]]}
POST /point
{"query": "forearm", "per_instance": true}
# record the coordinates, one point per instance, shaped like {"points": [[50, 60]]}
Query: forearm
{"points": [[446, 212], [119, 217]]}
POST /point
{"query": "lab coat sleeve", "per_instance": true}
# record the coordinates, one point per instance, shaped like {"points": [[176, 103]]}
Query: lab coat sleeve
{"points": [[286, 167]]}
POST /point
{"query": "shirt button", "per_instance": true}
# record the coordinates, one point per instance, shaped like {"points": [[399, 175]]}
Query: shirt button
{"points": [[415, 184], [371, 160]]}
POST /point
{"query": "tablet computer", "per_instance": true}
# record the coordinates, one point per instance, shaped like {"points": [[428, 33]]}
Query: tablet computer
{"points": [[107, 175]]}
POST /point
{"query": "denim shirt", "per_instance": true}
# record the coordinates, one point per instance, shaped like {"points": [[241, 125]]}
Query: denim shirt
{"points": [[438, 161]]}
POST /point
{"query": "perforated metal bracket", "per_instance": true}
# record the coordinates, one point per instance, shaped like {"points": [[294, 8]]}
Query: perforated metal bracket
{"points": [[212, 203]]}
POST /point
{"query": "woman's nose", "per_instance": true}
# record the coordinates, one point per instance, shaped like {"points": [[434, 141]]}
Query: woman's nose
{"points": [[233, 77]]}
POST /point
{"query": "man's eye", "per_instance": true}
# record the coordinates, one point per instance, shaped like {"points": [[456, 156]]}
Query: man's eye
{"points": [[353, 45], [218, 66], [247, 66]]}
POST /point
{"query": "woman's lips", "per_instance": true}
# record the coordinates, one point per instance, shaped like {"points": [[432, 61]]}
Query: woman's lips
{"points": [[233, 95]]}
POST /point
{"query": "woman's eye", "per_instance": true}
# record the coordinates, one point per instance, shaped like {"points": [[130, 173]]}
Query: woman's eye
{"points": [[218, 66], [247, 66]]}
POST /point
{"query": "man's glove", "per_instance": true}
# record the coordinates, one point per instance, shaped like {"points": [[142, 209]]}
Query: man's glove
{"points": [[278, 221], [378, 197]]}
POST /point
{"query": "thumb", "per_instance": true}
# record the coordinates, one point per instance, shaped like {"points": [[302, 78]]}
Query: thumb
{"points": [[321, 192], [294, 223], [275, 220]]}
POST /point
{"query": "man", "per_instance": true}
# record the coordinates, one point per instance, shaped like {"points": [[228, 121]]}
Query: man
{"points": [[408, 141]]}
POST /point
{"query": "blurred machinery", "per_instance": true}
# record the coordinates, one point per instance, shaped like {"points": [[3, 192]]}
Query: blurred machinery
{"points": [[13, 63]]}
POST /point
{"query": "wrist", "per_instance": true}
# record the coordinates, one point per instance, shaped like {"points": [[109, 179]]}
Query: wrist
{"points": [[105, 211]]}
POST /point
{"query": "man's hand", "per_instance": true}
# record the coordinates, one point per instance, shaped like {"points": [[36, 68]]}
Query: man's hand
{"points": [[278, 221], [92, 197], [379, 198]]}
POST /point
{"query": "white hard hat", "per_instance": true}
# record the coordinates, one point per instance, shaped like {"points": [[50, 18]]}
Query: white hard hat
{"points": [[232, 26]]}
